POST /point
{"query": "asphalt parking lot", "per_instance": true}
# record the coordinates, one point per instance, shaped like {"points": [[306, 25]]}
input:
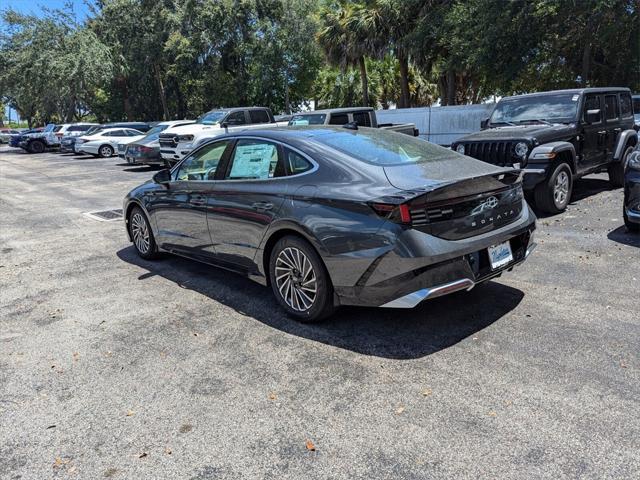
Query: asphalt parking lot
{"points": [[115, 367]]}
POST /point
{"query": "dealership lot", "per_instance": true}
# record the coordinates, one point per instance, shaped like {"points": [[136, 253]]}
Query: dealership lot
{"points": [[115, 367]]}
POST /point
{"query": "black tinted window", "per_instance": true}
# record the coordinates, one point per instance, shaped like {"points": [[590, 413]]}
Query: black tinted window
{"points": [[296, 163], [259, 116], [78, 128], [592, 102], [339, 119], [611, 107], [236, 118], [625, 105], [363, 119], [636, 105]]}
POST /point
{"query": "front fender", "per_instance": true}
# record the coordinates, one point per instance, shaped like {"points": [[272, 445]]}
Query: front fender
{"points": [[547, 152], [625, 138]]}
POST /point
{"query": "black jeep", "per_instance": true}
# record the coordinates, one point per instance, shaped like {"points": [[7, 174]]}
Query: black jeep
{"points": [[556, 137]]}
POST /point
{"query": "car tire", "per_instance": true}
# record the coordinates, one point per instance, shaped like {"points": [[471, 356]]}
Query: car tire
{"points": [[553, 195], [142, 234], [300, 281], [105, 151], [631, 226], [616, 170], [36, 146]]}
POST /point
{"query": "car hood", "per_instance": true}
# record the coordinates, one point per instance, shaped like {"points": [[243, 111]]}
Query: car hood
{"points": [[542, 133], [432, 174], [192, 128]]}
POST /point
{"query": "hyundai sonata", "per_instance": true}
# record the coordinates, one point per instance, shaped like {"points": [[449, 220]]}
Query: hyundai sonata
{"points": [[331, 216]]}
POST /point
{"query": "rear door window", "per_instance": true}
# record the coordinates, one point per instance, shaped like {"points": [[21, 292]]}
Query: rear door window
{"points": [[259, 116], [339, 119], [255, 160], [611, 107], [363, 119]]}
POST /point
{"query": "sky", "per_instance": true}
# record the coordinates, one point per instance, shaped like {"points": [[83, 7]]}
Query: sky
{"points": [[35, 7]]}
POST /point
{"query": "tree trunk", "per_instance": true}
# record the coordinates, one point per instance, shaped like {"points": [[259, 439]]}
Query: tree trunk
{"points": [[405, 101], [365, 82], [163, 97], [586, 60], [451, 87]]}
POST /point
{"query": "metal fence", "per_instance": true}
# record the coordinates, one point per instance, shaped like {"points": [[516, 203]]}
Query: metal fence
{"points": [[441, 125]]}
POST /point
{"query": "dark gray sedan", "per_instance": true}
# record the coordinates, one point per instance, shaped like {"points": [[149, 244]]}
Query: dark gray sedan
{"points": [[336, 216]]}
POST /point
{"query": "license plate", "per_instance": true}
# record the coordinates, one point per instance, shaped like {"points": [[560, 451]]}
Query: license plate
{"points": [[500, 255]]}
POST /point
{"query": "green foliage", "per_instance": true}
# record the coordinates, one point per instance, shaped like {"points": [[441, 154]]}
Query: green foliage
{"points": [[155, 59]]}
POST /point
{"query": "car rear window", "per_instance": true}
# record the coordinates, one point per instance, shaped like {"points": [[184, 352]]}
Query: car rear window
{"points": [[380, 147]]}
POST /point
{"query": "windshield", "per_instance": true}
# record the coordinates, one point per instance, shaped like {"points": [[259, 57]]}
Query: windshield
{"points": [[49, 128], [211, 118], [156, 130], [561, 108], [308, 119], [382, 147]]}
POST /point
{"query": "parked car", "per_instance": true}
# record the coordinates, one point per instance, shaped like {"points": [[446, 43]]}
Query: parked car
{"points": [[6, 134], [41, 141], [16, 139], [282, 120], [631, 210], [636, 111], [176, 142], [146, 151], [332, 216], [68, 134], [75, 142], [557, 137], [104, 143], [361, 116]]}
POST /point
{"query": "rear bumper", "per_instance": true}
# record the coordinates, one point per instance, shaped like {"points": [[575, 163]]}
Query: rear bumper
{"points": [[89, 149], [421, 266]]}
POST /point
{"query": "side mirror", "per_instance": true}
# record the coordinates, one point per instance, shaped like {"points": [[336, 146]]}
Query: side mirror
{"points": [[163, 177], [592, 116], [484, 123]]}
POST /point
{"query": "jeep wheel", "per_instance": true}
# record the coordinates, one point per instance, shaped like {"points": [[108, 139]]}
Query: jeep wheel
{"points": [[616, 170], [553, 195], [37, 146]]}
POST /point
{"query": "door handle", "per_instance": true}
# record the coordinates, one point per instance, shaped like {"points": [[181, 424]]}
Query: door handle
{"points": [[262, 206], [198, 201]]}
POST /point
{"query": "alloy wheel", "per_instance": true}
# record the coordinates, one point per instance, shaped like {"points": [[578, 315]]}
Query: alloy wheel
{"points": [[296, 279], [140, 233], [561, 188], [105, 151]]}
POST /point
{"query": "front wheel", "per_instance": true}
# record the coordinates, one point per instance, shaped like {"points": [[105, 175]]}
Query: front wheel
{"points": [[300, 281], [553, 195], [616, 170], [106, 151], [142, 235], [36, 146]]}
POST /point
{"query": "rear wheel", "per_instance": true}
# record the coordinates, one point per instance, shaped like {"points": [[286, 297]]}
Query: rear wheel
{"points": [[616, 170], [553, 195], [37, 146], [142, 235], [300, 281], [105, 151]]}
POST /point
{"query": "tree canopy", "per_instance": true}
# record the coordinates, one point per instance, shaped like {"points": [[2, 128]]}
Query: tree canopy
{"points": [[163, 59]]}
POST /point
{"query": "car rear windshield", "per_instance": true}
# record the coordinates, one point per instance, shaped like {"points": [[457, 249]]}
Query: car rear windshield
{"points": [[384, 148], [560, 107]]}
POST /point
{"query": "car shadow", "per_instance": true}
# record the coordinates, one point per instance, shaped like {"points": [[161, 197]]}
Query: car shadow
{"points": [[386, 333], [624, 236], [138, 168]]}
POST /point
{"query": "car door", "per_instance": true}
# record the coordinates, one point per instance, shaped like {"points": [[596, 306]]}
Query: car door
{"points": [[180, 210], [593, 145], [245, 200], [612, 119]]}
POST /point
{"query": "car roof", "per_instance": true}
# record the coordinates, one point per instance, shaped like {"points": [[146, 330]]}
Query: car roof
{"points": [[337, 110], [575, 91]]}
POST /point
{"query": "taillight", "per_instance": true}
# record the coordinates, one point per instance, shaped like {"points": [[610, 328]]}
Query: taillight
{"points": [[396, 213], [144, 149]]}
